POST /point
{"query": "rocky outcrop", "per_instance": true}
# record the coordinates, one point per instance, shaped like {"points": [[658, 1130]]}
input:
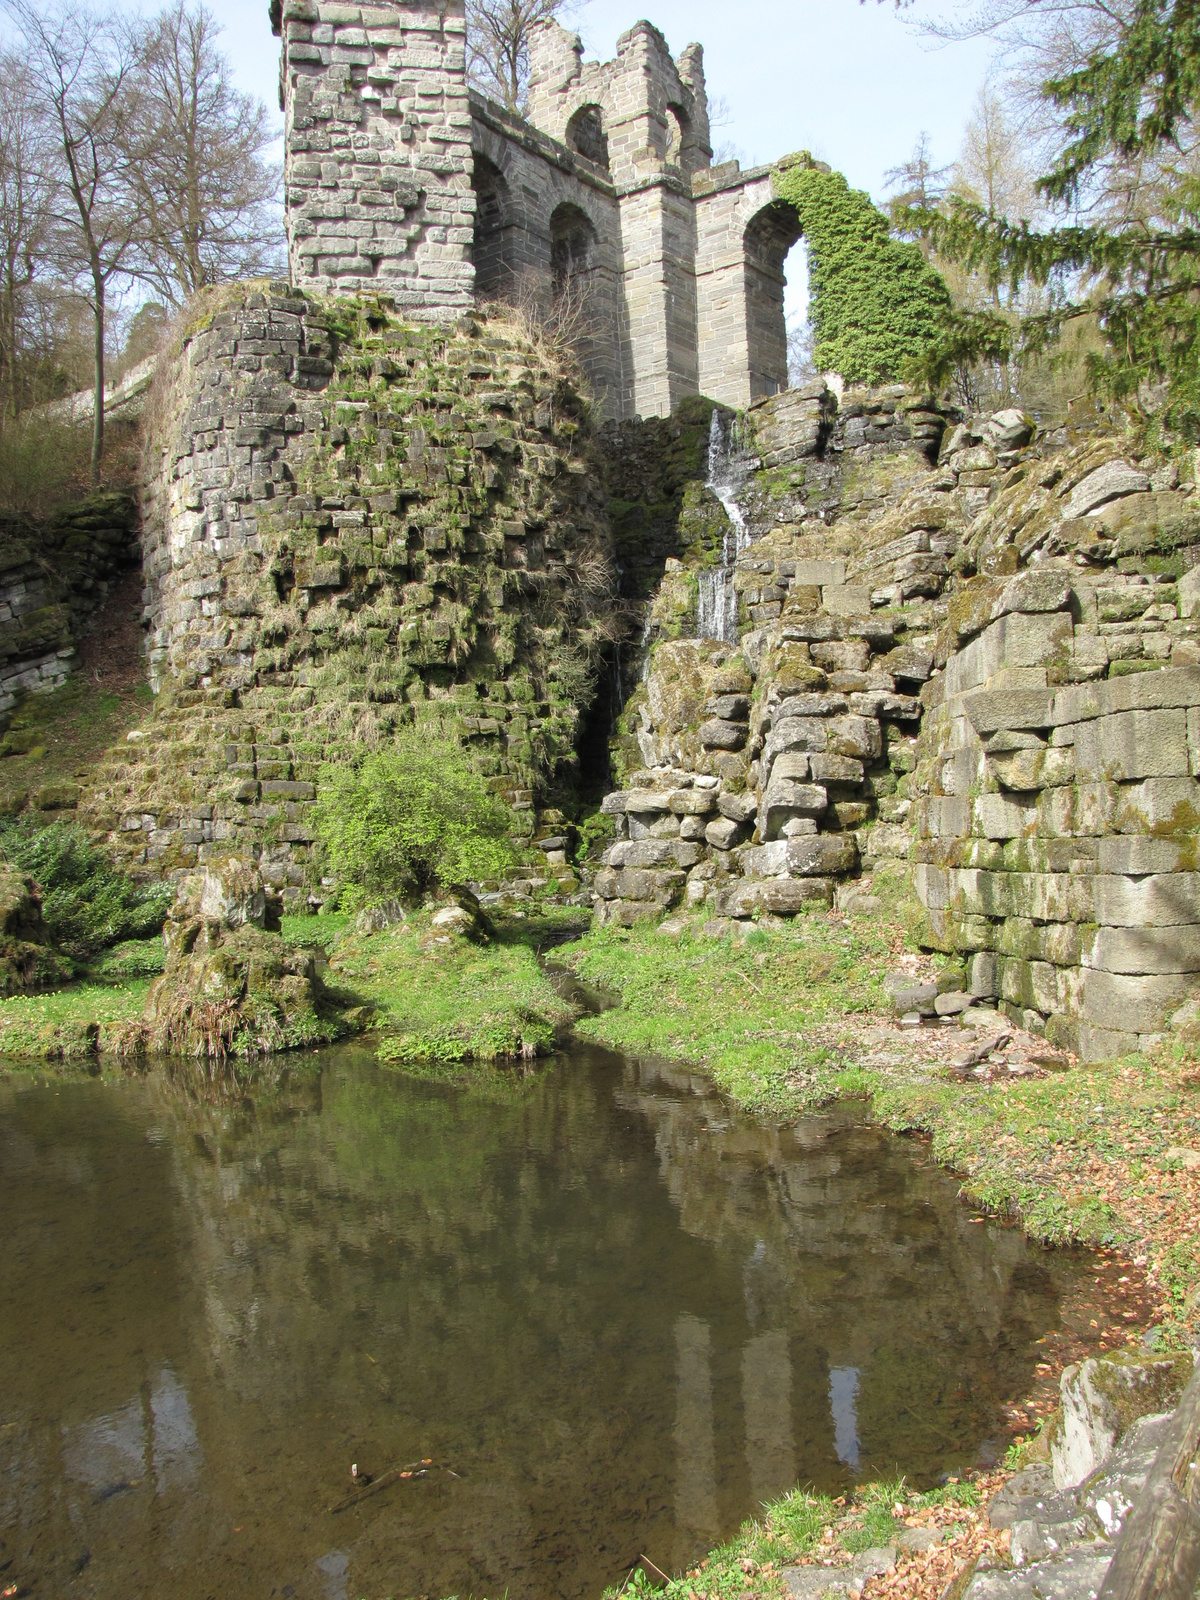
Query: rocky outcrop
{"points": [[54, 577], [27, 962], [232, 986]]}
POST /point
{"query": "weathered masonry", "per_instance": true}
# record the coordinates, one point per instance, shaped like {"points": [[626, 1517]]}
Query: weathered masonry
{"points": [[403, 181]]}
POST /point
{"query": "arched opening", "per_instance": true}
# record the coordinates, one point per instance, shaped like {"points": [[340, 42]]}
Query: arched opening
{"points": [[572, 243], [769, 237], [586, 135], [800, 334], [678, 127], [493, 271]]}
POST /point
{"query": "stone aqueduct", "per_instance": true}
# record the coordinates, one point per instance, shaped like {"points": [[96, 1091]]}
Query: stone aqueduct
{"points": [[404, 181]]}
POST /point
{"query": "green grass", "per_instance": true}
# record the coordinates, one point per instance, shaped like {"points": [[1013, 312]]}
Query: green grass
{"points": [[71, 1023], [760, 1015], [451, 1003]]}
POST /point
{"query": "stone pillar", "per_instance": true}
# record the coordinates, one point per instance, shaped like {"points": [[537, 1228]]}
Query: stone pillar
{"points": [[377, 131]]}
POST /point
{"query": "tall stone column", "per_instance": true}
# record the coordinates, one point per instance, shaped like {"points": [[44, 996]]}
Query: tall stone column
{"points": [[377, 161]]}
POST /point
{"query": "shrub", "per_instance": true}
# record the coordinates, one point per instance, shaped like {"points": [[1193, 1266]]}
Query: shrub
{"points": [[412, 816], [87, 904]]}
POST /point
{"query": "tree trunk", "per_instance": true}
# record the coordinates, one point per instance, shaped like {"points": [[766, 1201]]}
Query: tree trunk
{"points": [[98, 401]]}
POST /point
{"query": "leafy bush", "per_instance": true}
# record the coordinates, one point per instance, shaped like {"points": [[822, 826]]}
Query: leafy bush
{"points": [[410, 817], [87, 903]]}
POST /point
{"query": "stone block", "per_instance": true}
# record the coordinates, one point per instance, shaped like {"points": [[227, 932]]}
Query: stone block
{"points": [[1159, 806], [1100, 1399], [717, 734], [828, 768], [995, 816], [693, 802], [809, 705], [983, 975], [825, 574], [847, 600], [1043, 896], [724, 833], [780, 897], [1130, 1004], [1139, 855], [645, 801], [797, 733], [976, 892], [1034, 590], [822, 854], [856, 736], [653, 853], [741, 807], [1162, 900], [1144, 950], [1109, 482], [1147, 691], [989, 710], [1133, 744]]}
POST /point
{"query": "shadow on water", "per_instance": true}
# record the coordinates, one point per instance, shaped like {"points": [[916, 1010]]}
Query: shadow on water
{"points": [[622, 1314]]}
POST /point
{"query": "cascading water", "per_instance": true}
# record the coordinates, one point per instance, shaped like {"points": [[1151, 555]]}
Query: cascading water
{"points": [[729, 466]]}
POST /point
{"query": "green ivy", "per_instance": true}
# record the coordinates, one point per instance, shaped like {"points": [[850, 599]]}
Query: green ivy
{"points": [[875, 302]]}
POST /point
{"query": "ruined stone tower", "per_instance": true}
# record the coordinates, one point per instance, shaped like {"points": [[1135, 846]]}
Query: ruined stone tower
{"points": [[402, 181]]}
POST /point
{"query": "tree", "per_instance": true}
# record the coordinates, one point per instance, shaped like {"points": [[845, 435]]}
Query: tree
{"points": [[917, 181], [25, 215], [82, 65], [1131, 100], [498, 35], [196, 151]]}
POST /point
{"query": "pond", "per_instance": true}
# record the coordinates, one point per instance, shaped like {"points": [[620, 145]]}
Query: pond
{"points": [[609, 1314]]}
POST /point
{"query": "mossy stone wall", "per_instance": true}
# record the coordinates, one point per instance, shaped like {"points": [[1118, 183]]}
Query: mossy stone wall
{"points": [[352, 523]]}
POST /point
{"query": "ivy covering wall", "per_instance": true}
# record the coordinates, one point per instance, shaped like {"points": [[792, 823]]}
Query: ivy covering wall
{"points": [[874, 301]]}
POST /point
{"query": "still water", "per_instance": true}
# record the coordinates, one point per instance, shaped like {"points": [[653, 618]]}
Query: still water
{"points": [[618, 1313]]}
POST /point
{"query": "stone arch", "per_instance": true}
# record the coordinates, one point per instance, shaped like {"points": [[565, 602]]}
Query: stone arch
{"points": [[769, 235], [492, 248], [573, 241], [586, 135]]}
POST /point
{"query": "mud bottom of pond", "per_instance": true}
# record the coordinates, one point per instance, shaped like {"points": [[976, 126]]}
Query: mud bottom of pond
{"points": [[554, 1322]]}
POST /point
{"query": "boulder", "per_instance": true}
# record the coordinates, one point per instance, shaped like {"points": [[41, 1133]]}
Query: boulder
{"points": [[1101, 1399], [779, 897], [1109, 482], [376, 918], [717, 734]]}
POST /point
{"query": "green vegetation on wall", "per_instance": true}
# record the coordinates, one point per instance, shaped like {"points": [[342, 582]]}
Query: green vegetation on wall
{"points": [[875, 302]]}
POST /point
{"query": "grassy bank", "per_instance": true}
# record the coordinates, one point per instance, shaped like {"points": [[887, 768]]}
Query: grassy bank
{"points": [[813, 1529], [452, 1001], [788, 1018]]}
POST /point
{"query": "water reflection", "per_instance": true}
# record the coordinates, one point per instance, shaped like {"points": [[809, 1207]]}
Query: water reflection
{"points": [[621, 1314]]}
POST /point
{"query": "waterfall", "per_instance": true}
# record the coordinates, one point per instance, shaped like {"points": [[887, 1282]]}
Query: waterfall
{"points": [[729, 465]]}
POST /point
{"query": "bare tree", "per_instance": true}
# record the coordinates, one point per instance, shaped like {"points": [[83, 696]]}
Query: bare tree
{"points": [[82, 66], [198, 158], [498, 34], [26, 189]]}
